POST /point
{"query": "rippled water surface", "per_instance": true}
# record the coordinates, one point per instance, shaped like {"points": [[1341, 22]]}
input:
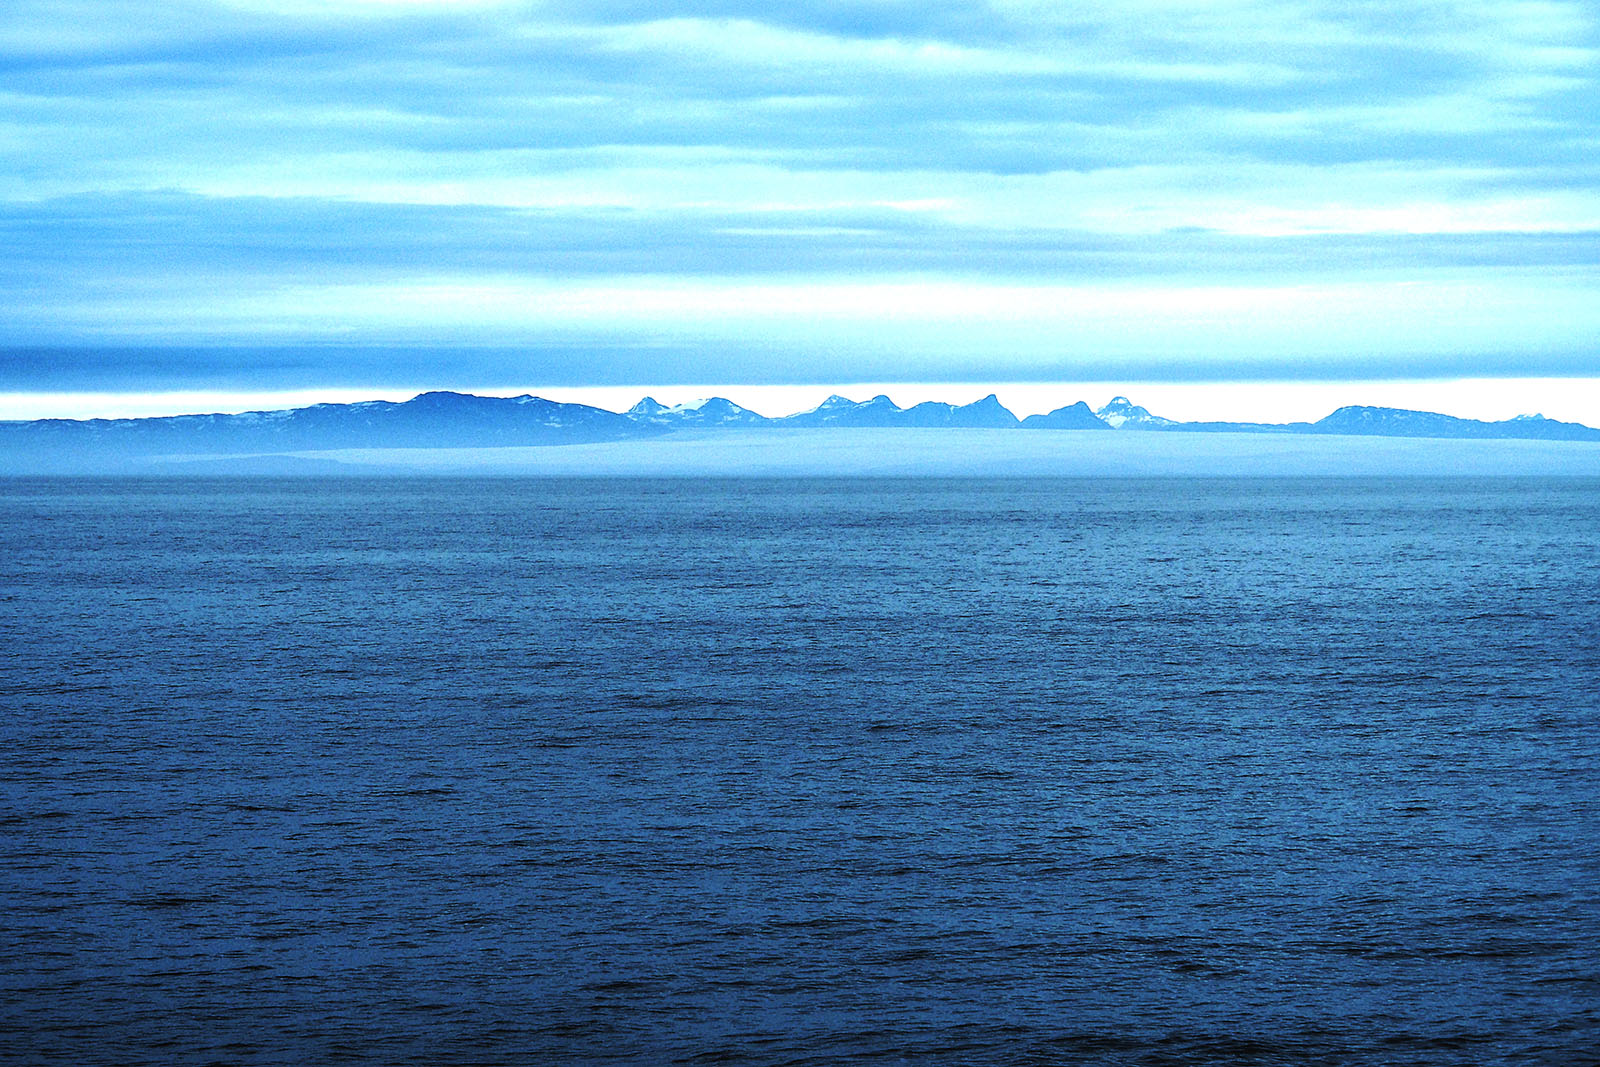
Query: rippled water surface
{"points": [[510, 771]]}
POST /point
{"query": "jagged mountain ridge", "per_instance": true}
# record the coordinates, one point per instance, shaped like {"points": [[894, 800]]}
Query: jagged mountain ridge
{"points": [[1072, 417], [1121, 412], [429, 420], [882, 412], [462, 420], [716, 411]]}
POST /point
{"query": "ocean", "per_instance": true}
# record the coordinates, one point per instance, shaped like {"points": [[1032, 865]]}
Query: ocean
{"points": [[739, 771]]}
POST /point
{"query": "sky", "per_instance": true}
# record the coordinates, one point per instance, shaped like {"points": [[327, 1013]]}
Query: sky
{"points": [[225, 204]]}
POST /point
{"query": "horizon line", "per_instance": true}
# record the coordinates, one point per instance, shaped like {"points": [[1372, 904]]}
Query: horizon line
{"points": [[1487, 400]]}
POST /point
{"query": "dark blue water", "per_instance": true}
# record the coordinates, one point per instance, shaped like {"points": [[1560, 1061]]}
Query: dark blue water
{"points": [[1151, 772]]}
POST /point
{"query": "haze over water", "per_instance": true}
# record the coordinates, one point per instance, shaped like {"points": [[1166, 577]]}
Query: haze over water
{"points": [[1143, 771]]}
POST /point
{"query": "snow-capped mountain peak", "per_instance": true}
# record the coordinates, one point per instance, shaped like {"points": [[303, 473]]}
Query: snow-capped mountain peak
{"points": [[712, 411], [1122, 412]]}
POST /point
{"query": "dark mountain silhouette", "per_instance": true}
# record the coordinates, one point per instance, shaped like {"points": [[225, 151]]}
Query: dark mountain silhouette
{"points": [[1363, 421], [431, 420], [987, 413], [839, 411], [1398, 422], [1122, 412], [460, 420], [716, 411], [1072, 417], [880, 411]]}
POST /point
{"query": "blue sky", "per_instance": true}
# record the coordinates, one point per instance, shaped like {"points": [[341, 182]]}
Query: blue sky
{"points": [[269, 195]]}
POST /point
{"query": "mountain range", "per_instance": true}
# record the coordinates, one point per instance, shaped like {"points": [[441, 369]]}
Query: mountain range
{"points": [[461, 420]]}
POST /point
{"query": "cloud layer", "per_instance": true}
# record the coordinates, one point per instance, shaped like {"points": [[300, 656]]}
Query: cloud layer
{"points": [[367, 191]]}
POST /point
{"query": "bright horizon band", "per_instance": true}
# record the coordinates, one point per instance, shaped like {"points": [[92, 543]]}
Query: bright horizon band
{"points": [[1569, 400]]}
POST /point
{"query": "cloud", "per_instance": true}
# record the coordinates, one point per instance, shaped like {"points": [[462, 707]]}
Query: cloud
{"points": [[199, 171]]}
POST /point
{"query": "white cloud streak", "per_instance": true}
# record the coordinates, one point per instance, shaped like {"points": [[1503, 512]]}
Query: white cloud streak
{"points": [[722, 163]]}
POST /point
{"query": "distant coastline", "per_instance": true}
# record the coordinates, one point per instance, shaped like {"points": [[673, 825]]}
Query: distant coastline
{"points": [[309, 439], [448, 419]]}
